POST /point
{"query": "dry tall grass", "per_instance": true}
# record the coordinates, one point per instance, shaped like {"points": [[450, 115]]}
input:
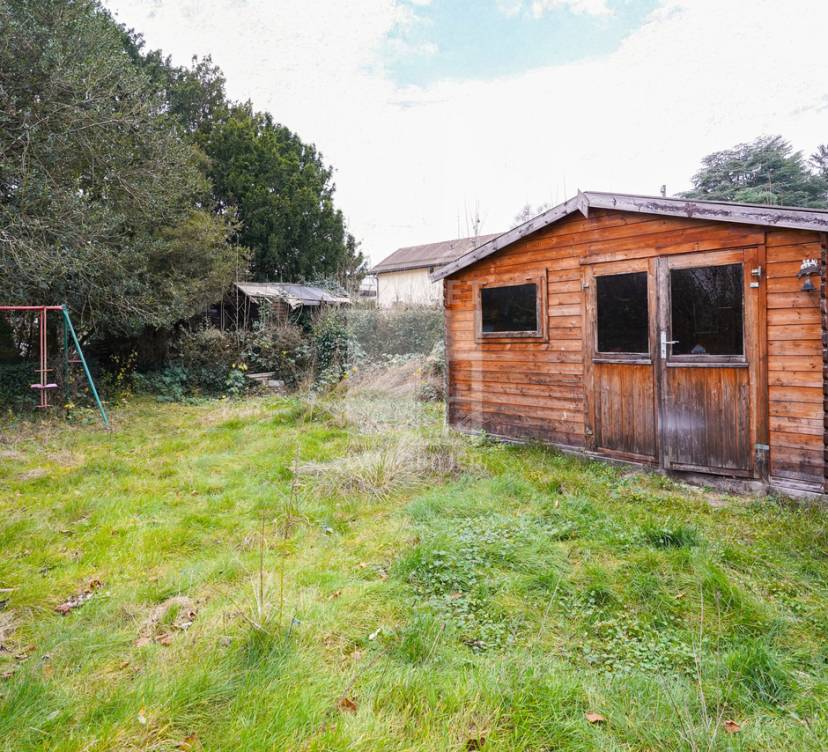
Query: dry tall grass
{"points": [[410, 461]]}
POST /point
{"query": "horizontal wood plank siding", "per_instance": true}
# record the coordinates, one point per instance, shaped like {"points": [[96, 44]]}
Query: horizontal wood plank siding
{"points": [[535, 390], [795, 360]]}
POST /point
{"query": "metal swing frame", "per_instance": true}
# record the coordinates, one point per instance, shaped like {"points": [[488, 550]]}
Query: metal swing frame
{"points": [[45, 386]]}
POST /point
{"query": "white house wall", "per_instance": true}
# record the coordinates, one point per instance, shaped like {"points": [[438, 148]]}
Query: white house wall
{"points": [[410, 287]]}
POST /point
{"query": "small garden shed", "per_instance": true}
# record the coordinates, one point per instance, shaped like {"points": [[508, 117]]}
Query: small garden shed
{"points": [[688, 335]]}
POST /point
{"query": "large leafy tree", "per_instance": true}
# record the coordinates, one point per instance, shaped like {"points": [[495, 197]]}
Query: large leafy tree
{"points": [[103, 204], [279, 186], [764, 171], [283, 192]]}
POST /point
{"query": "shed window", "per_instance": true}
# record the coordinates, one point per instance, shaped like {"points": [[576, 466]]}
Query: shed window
{"points": [[508, 309], [706, 310], [623, 321]]}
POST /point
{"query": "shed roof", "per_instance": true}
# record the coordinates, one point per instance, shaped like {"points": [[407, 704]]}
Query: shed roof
{"points": [[294, 295], [717, 211], [430, 254]]}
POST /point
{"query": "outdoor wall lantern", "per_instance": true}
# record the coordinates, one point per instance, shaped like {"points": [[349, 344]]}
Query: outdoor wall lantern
{"points": [[808, 267]]}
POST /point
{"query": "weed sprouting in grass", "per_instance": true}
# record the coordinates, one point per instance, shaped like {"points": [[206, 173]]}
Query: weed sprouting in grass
{"points": [[699, 727], [755, 667], [669, 535], [419, 638], [266, 613]]}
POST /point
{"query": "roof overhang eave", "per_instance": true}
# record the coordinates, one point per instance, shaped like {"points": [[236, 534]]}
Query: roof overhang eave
{"points": [[749, 214]]}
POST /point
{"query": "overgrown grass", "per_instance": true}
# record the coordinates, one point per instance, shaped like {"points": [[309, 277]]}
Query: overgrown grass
{"points": [[275, 576]]}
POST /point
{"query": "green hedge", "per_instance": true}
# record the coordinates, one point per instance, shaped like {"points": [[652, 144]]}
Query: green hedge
{"points": [[396, 331]]}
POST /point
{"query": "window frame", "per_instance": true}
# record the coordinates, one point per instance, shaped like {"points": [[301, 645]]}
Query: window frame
{"points": [[722, 258], [644, 358], [539, 334]]}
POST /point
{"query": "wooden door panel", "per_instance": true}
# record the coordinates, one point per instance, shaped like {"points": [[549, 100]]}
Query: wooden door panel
{"points": [[707, 419], [625, 417]]}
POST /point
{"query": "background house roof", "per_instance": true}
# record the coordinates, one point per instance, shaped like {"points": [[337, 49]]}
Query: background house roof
{"points": [[294, 295], [430, 254], [719, 211]]}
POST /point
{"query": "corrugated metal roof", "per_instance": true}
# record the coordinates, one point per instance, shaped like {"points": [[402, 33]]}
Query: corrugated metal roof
{"points": [[717, 211], [294, 295], [430, 254]]}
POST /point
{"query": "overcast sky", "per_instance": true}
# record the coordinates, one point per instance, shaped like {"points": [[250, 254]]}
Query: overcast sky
{"points": [[432, 110]]}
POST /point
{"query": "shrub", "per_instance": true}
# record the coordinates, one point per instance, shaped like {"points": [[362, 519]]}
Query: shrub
{"points": [[207, 348], [168, 385], [15, 384], [396, 331], [279, 348], [331, 343]]}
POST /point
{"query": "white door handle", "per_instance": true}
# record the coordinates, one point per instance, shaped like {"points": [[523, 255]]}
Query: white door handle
{"points": [[665, 342]]}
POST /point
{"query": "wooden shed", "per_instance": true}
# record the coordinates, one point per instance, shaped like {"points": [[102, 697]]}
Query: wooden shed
{"points": [[686, 335]]}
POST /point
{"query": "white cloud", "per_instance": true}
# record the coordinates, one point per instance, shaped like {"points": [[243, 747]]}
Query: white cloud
{"points": [[698, 76], [537, 8]]}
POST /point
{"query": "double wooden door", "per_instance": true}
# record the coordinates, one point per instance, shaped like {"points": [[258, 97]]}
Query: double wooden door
{"points": [[673, 360]]}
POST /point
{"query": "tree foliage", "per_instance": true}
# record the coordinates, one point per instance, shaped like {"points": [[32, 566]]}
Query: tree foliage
{"points": [[279, 186], [284, 196], [102, 201], [764, 171]]}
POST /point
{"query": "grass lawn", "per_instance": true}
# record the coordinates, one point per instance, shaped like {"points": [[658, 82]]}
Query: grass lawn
{"points": [[261, 575]]}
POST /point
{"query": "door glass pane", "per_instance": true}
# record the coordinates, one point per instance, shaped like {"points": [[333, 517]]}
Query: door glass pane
{"points": [[706, 310], [510, 308], [623, 323]]}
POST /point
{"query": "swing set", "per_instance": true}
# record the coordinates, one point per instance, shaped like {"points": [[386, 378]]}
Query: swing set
{"points": [[45, 386]]}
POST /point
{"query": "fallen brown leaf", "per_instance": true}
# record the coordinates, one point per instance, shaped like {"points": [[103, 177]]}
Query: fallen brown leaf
{"points": [[76, 601], [732, 727], [334, 595], [347, 705], [165, 639], [189, 742], [593, 717], [476, 743]]}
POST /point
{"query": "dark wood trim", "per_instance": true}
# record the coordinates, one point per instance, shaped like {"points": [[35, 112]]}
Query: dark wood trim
{"points": [[731, 472], [711, 360], [673, 363], [639, 459], [541, 334], [633, 359]]}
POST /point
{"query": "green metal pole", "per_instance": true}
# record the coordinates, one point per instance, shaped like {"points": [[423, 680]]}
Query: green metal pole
{"points": [[89, 379], [65, 362]]}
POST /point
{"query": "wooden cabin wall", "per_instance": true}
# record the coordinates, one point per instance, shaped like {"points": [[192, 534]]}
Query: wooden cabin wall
{"points": [[535, 390], [795, 360]]}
